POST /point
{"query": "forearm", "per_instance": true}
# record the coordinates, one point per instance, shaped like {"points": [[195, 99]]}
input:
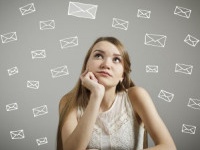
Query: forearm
{"points": [[163, 147]]}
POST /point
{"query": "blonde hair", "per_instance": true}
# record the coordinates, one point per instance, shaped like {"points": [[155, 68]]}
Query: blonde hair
{"points": [[79, 95]]}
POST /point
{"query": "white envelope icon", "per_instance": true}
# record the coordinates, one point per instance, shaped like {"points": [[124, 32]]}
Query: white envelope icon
{"points": [[183, 12], [38, 111], [9, 37], [167, 96], [188, 129], [33, 84], [182, 68], [27, 9], [191, 40], [152, 68], [119, 23], [143, 13], [45, 25], [69, 42], [18, 134], [13, 71], [82, 10], [155, 40], [41, 141], [194, 103], [38, 54], [10, 107], [59, 71]]}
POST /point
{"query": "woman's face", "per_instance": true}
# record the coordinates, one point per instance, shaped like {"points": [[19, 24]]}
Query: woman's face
{"points": [[106, 63]]}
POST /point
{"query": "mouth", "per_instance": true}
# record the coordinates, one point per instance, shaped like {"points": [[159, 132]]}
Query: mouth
{"points": [[104, 73]]}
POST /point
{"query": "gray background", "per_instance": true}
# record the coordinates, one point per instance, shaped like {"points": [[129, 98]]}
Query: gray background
{"points": [[18, 53]]}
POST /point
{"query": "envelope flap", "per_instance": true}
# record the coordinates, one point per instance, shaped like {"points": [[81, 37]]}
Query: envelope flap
{"points": [[120, 21], [195, 101]]}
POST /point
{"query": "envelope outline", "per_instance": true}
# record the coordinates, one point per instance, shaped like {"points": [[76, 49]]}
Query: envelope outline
{"points": [[191, 40], [152, 68], [143, 13], [38, 54], [9, 37], [59, 71], [194, 103], [18, 134], [119, 23], [69, 42], [82, 10], [45, 25], [188, 129], [27, 9], [41, 110], [13, 71], [11, 107], [183, 68], [183, 12], [42, 141], [33, 84], [167, 96], [155, 40]]}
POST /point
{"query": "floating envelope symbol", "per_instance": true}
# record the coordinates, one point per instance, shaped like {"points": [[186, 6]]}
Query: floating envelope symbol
{"points": [[167, 96], [45, 25], [188, 129], [143, 13], [33, 84], [69, 42], [13, 71], [18, 134], [38, 111], [38, 54], [155, 40], [11, 107], [119, 23], [191, 40], [194, 103], [59, 71], [82, 10], [183, 12], [27, 9], [9, 37], [182, 68], [152, 68], [41, 141]]}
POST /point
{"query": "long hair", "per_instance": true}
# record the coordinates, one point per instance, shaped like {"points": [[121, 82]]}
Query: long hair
{"points": [[79, 95]]}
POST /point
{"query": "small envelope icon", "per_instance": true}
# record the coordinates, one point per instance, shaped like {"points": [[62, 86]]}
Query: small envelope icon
{"points": [[183, 12], [33, 84], [143, 13], [167, 96], [82, 10], [38, 111], [182, 68], [151, 68], [18, 134], [155, 40], [59, 71], [11, 107], [69, 42], [119, 23], [194, 103], [45, 25], [13, 71], [41, 141], [27, 9], [191, 40], [38, 54], [9, 37], [188, 129]]}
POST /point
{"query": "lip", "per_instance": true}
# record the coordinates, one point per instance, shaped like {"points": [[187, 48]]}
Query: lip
{"points": [[104, 73]]}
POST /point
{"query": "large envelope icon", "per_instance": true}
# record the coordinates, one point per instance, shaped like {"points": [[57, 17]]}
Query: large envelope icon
{"points": [[27, 9], [194, 103], [44, 25], [155, 40], [38, 111], [18, 134], [11, 107], [59, 71], [182, 68], [119, 23], [183, 12], [9, 37], [82, 10], [191, 40], [38, 54], [41, 141], [152, 68], [143, 13], [33, 84], [13, 71], [69, 42], [188, 129], [167, 96]]}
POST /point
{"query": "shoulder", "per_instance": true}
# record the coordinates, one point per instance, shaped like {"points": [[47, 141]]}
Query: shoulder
{"points": [[137, 91], [62, 103]]}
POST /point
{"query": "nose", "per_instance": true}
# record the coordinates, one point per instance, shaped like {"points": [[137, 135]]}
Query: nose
{"points": [[106, 64]]}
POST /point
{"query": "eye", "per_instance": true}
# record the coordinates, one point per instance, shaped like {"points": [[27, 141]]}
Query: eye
{"points": [[99, 56], [117, 60]]}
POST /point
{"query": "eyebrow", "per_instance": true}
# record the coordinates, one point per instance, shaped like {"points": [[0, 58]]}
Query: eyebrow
{"points": [[101, 51]]}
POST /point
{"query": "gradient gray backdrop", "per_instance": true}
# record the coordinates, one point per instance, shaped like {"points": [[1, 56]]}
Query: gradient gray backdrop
{"points": [[18, 53]]}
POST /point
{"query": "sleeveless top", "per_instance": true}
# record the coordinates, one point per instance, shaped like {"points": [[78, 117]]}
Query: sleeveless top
{"points": [[117, 128]]}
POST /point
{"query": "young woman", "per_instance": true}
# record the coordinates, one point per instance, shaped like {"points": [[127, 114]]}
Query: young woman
{"points": [[105, 110]]}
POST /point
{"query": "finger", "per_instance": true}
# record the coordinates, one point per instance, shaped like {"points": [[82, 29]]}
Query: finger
{"points": [[92, 76]]}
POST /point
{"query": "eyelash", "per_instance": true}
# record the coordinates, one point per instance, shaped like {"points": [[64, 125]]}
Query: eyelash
{"points": [[100, 55]]}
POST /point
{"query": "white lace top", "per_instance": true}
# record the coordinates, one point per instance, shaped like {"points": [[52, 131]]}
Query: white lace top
{"points": [[117, 128]]}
